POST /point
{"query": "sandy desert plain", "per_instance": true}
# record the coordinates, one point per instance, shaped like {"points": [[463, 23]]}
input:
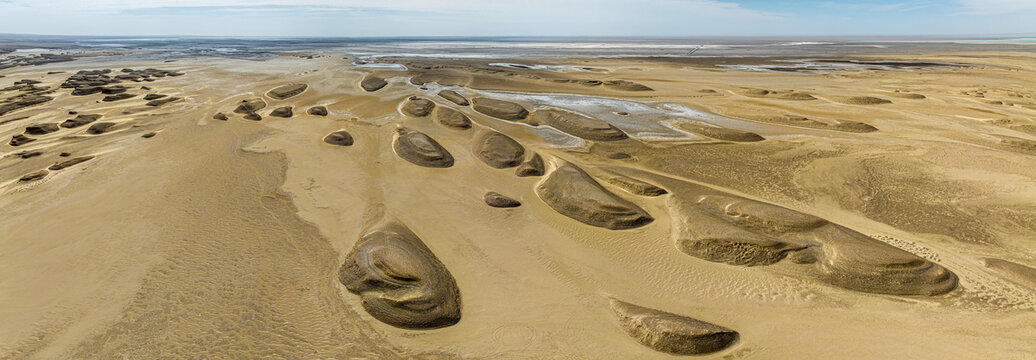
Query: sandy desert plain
{"points": [[316, 206]]}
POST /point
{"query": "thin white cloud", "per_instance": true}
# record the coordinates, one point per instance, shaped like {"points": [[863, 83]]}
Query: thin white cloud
{"points": [[994, 7]]}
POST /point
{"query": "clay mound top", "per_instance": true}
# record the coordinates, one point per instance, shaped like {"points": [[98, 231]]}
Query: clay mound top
{"points": [[287, 91], [500, 109], [579, 125], [671, 333], [373, 83], [720, 133], [454, 97], [250, 106], [863, 100]]}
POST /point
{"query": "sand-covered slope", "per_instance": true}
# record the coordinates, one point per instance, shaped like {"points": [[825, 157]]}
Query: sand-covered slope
{"points": [[302, 207]]}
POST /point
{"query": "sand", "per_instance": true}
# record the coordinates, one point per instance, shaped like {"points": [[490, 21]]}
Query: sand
{"points": [[768, 218]]}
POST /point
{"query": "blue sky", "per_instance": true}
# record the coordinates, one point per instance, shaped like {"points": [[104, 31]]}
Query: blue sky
{"points": [[517, 17]]}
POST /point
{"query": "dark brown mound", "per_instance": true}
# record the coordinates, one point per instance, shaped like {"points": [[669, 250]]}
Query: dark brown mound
{"points": [[499, 201], [418, 107], [671, 333], [253, 117], [86, 90], [720, 133], [282, 112], [420, 149], [19, 140], [29, 154], [452, 119], [626, 85], [287, 91], [220, 116], [117, 97], [34, 176], [340, 138], [635, 186], [400, 281], [100, 128], [373, 83], [854, 126], [164, 101], [317, 111], [500, 109], [149, 135], [80, 120], [454, 97], [533, 167], [573, 193], [22, 101], [41, 129], [863, 100], [250, 106], [114, 89], [703, 235], [579, 125], [911, 96], [150, 97], [497, 150], [746, 232], [70, 162]]}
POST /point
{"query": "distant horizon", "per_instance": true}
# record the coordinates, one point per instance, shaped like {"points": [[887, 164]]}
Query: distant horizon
{"points": [[990, 36], [529, 18]]}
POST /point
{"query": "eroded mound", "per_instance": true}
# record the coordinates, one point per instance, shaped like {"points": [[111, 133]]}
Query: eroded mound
{"points": [[41, 129], [118, 97], [250, 106], [578, 125], [573, 193], [532, 167], [340, 138], [100, 128], [19, 140], [746, 232], [220, 116], [720, 133], [287, 91], [497, 150], [317, 111], [70, 162], [80, 120], [634, 186], [420, 149], [671, 333], [373, 83], [163, 101], [34, 176], [500, 109], [496, 200], [282, 112], [703, 235], [452, 118], [400, 281], [454, 97], [417, 107], [863, 100]]}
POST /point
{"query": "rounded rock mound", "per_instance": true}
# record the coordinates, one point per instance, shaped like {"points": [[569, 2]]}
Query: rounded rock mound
{"points": [[400, 281], [573, 193], [579, 125], [497, 150], [420, 149], [671, 333], [500, 109]]}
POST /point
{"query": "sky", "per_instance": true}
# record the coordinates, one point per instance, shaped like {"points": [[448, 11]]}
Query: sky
{"points": [[364, 18]]}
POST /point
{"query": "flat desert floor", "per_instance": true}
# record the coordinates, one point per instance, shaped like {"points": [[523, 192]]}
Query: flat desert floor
{"points": [[312, 206]]}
